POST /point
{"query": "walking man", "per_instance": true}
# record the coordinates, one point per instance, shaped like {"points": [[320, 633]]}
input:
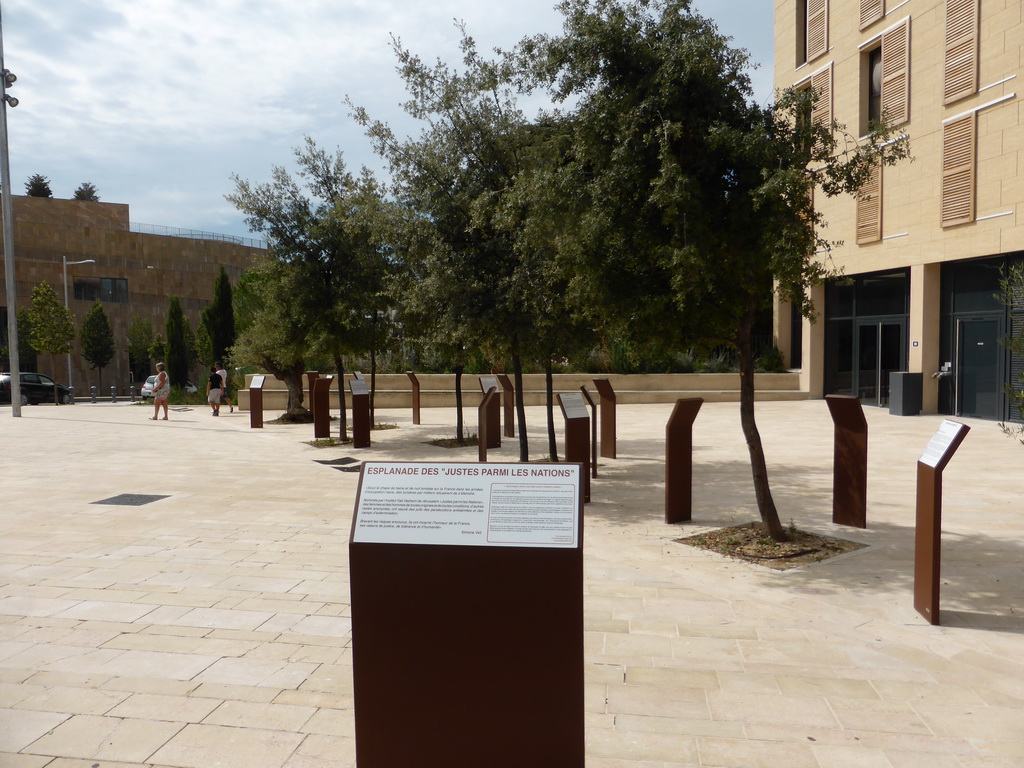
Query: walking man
{"points": [[222, 372]]}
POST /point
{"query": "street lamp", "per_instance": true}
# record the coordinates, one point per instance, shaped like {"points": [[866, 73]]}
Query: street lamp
{"points": [[66, 265]]}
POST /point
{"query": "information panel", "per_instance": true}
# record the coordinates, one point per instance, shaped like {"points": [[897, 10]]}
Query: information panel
{"points": [[941, 442], [498, 505], [257, 382]]}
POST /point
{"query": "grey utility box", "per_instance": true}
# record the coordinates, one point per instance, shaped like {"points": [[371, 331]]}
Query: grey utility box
{"points": [[905, 393]]}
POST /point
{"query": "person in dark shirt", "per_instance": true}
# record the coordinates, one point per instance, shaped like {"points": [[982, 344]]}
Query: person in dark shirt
{"points": [[213, 390]]}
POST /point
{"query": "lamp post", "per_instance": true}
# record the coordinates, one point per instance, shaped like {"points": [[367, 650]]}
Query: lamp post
{"points": [[7, 79], [66, 265]]}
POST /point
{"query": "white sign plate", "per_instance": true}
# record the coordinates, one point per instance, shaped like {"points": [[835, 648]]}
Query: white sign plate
{"points": [[940, 442], [481, 505], [257, 382]]}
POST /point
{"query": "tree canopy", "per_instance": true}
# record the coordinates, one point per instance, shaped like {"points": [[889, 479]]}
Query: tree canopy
{"points": [[86, 191], [97, 339], [178, 359], [38, 186]]}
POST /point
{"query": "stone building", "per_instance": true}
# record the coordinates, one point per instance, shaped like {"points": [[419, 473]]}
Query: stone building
{"points": [[133, 273], [925, 240]]}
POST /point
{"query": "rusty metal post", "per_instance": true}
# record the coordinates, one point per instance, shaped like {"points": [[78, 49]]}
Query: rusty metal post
{"points": [[928, 529], [508, 401], [488, 383], [850, 461], [484, 423], [679, 460], [415, 396], [360, 413], [256, 402], [322, 407], [577, 434], [311, 377], [604, 389], [593, 429]]}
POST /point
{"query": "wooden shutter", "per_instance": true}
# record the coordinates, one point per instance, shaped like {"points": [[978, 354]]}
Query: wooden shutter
{"points": [[821, 82], [958, 150], [961, 65], [869, 208], [871, 11], [817, 28], [896, 74]]}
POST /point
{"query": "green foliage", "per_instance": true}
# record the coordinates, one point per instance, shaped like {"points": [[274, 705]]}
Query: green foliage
{"points": [[770, 361], [52, 326], [86, 191], [1011, 294], [38, 186], [204, 347], [97, 339], [219, 320], [158, 348], [140, 339], [177, 359]]}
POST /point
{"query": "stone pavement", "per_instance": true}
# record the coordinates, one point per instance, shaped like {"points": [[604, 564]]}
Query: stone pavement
{"points": [[210, 627]]}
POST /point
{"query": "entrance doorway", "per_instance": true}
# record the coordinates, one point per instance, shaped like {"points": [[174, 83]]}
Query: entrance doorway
{"points": [[979, 374], [880, 351]]}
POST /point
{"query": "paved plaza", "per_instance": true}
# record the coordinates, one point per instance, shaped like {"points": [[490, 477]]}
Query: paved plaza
{"points": [[210, 627]]}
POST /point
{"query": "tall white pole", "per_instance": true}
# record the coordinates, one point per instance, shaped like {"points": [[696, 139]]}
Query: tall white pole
{"points": [[7, 211], [65, 258]]}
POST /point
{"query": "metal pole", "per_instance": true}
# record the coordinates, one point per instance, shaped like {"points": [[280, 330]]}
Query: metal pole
{"points": [[7, 211], [65, 259]]}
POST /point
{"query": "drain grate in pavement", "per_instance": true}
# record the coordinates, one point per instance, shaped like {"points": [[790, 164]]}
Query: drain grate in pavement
{"points": [[345, 460], [130, 499]]}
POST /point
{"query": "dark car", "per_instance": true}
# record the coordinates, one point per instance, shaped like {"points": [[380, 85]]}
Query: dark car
{"points": [[35, 388]]}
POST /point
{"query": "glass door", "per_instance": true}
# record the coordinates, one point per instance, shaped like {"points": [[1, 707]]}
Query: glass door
{"points": [[979, 381], [881, 348]]}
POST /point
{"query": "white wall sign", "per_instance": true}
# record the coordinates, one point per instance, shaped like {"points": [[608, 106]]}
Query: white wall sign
{"points": [[496, 505], [940, 442], [257, 382]]}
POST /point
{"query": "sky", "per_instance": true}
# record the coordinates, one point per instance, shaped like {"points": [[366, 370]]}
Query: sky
{"points": [[158, 103]]}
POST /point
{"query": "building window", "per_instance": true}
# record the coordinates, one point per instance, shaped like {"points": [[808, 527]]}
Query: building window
{"points": [[811, 26], [109, 289], [871, 11], [959, 139], [885, 72], [961, 56], [874, 89]]}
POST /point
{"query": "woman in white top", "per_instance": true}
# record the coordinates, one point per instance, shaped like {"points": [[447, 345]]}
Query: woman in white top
{"points": [[161, 389]]}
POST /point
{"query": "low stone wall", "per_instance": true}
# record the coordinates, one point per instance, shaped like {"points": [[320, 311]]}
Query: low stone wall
{"points": [[438, 390]]}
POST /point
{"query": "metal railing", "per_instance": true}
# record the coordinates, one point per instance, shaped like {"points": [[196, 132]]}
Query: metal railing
{"points": [[195, 234]]}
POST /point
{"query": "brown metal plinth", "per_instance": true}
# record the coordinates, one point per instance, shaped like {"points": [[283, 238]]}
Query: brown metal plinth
{"points": [[415, 396], [679, 460], [256, 406], [311, 377], [493, 412], [485, 423], [508, 401], [321, 402], [593, 429], [604, 389], [928, 531], [360, 413], [577, 434], [467, 657], [850, 462]]}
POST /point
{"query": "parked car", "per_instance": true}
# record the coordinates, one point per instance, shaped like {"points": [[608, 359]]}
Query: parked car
{"points": [[147, 388], [35, 388]]}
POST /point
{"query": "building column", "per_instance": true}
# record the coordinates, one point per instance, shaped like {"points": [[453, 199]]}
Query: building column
{"points": [[783, 329], [812, 374], [923, 331]]}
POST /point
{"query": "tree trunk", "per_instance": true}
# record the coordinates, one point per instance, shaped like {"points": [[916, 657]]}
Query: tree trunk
{"points": [[373, 380], [517, 368], [292, 376], [765, 503], [460, 436], [339, 365], [549, 391]]}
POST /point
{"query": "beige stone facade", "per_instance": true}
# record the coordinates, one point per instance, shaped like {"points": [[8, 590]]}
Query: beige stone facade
{"points": [[48, 232], [935, 229]]}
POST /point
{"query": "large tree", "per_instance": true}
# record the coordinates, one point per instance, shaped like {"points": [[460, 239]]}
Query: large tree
{"points": [[140, 339], [327, 251], [689, 202], [97, 339], [52, 324], [467, 282]]}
